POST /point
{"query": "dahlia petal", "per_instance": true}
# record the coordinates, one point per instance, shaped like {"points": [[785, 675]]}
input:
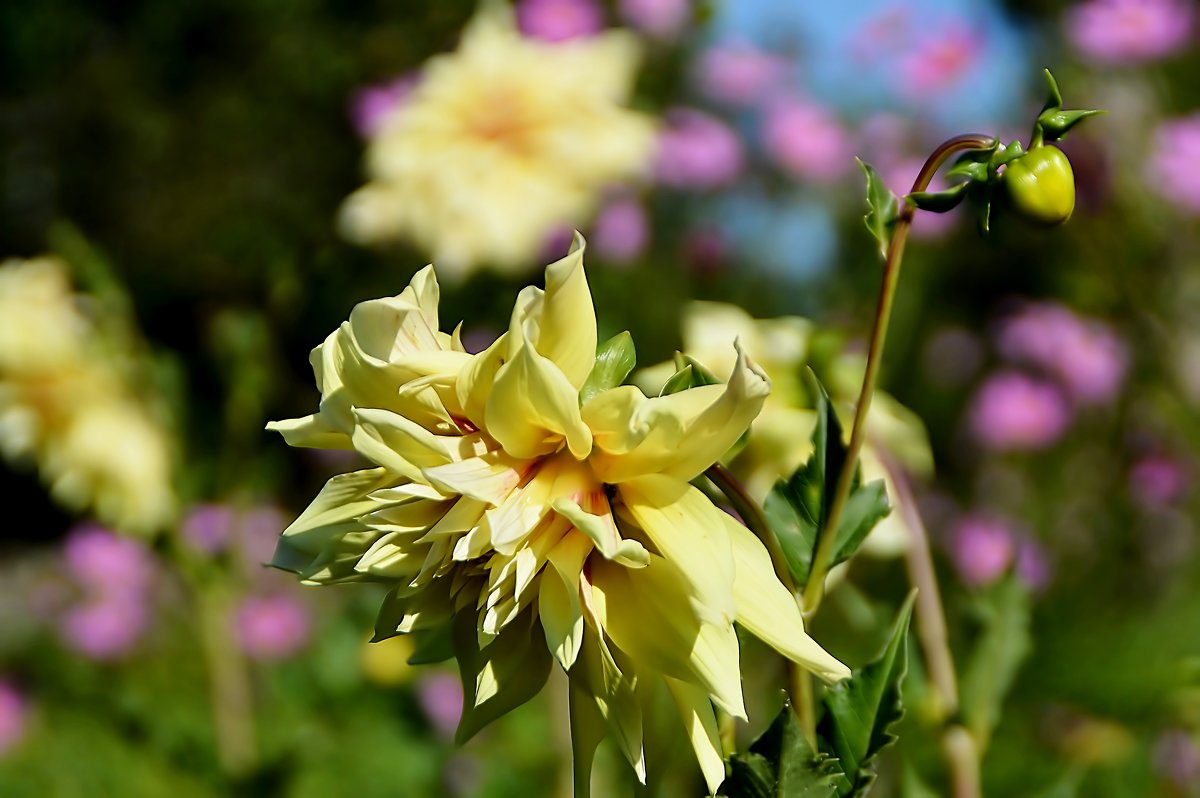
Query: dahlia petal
{"points": [[687, 529], [533, 408], [602, 530], [311, 432], [559, 606], [567, 329], [769, 612], [695, 709], [678, 435], [490, 478]]}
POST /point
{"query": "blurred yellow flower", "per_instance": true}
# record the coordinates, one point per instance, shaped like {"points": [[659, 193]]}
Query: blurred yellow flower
{"points": [[780, 439], [503, 142], [64, 404], [537, 527]]}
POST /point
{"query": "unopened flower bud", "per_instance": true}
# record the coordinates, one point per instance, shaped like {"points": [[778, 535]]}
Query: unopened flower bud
{"points": [[1041, 185]]}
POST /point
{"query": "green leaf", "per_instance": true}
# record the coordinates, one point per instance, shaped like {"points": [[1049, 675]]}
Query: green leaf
{"points": [[1001, 648], [797, 509], [615, 358], [882, 207], [1055, 125], [939, 201], [781, 764], [860, 711], [975, 171], [1053, 95], [689, 373]]}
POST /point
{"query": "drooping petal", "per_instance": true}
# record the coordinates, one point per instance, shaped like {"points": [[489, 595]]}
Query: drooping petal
{"points": [[559, 604], [613, 690], [648, 613], [695, 709], [687, 529], [601, 529], [769, 612], [332, 513], [501, 677], [678, 435]]}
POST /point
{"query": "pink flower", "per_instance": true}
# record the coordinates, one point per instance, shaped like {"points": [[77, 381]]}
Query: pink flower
{"points": [[621, 231], [982, 549], [106, 628], [1177, 758], [1157, 480], [696, 150], [1013, 411], [559, 20], [1174, 168], [14, 716], [663, 19], [1083, 354], [271, 627], [939, 61], [1127, 31], [806, 140], [739, 75], [372, 105], [103, 562], [441, 697]]}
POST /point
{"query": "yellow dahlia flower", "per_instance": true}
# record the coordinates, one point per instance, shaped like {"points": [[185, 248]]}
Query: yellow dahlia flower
{"points": [[532, 523], [780, 439], [502, 142], [64, 404]]}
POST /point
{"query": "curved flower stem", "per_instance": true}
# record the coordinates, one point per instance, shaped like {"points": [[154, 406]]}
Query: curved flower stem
{"points": [[814, 591]]}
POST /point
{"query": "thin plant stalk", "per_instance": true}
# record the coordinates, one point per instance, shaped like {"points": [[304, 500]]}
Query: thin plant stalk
{"points": [[814, 591]]}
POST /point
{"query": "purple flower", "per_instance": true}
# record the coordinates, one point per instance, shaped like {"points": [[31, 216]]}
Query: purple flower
{"points": [[559, 20], [621, 230], [271, 627], [696, 150], [1085, 355], [14, 716], [1157, 480], [1174, 168], [1127, 31], [739, 75], [1033, 566], [105, 628], [372, 105], [1177, 758], [208, 528], [441, 697], [982, 549], [103, 562], [806, 139], [663, 19], [1013, 411]]}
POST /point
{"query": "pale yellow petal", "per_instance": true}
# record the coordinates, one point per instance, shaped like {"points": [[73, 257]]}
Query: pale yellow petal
{"points": [[405, 447], [768, 611], [649, 615], [559, 603], [489, 478], [687, 529], [533, 409], [313, 432], [567, 329], [678, 435], [695, 709]]}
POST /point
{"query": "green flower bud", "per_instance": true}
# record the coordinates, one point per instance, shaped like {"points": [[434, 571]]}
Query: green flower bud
{"points": [[1041, 185]]}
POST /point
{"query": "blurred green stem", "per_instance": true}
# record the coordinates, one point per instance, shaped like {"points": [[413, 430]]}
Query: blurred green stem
{"points": [[229, 684], [814, 591], [960, 749]]}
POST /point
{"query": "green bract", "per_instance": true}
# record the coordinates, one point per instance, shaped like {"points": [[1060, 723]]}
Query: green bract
{"points": [[1041, 185]]}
